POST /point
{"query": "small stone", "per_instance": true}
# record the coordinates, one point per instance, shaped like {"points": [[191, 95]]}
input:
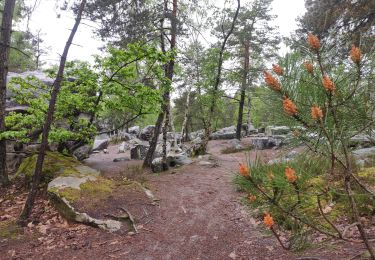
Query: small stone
{"points": [[131, 233]]}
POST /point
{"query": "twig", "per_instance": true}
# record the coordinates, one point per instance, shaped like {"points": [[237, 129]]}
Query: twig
{"points": [[326, 219]]}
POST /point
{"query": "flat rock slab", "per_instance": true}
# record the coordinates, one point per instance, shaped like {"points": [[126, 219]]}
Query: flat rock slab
{"points": [[73, 182]]}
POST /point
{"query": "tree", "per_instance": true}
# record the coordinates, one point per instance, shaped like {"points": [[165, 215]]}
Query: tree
{"points": [[164, 113], [256, 43], [212, 107], [5, 36], [48, 121], [339, 24]]}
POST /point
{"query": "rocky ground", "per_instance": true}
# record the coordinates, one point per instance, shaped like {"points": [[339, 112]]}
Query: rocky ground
{"points": [[198, 215]]}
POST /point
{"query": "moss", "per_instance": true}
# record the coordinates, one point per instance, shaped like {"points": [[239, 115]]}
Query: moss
{"points": [[70, 194], [55, 164], [9, 229], [99, 187], [367, 175]]}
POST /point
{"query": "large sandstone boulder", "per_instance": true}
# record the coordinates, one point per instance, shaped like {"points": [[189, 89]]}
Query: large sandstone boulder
{"points": [[147, 132], [80, 194], [134, 130], [82, 152], [138, 152], [277, 130], [100, 144]]}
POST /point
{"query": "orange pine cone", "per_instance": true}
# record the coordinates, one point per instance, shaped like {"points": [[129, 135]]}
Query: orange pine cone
{"points": [[328, 84], [313, 41], [355, 54], [268, 220], [252, 198], [309, 67], [289, 107], [244, 170], [271, 81], [277, 69], [316, 113], [290, 174]]}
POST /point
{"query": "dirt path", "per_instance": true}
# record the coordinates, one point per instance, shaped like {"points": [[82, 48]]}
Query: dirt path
{"points": [[199, 216]]}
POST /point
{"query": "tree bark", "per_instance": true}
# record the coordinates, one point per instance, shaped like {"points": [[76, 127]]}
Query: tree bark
{"points": [[207, 131], [184, 132], [48, 122], [6, 30], [243, 90]]}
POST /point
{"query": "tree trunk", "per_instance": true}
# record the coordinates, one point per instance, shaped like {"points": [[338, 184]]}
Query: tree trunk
{"points": [[184, 132], [248, 120], [208, 126], [243, 90], [6, 30], [165, 106], [48, 122]]}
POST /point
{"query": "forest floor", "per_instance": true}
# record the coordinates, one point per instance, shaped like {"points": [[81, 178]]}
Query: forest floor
{"points": [[199, 215]]}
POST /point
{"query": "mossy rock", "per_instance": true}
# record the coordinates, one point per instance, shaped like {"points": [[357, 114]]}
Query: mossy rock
{"points": [[55, 164]]}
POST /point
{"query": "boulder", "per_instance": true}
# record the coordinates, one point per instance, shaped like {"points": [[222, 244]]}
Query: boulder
{"points": [[100, 144], [123, 147], [178, 159], [277, 130], [135, 141], [364, 153], [13, 161], [82, 152], [121, 159], [363, 141], [138, 152], [134, 130], [196, 134], [157, 165], [159, 149], [225, 133], [235, 144], [267, 142], [147, 132]]}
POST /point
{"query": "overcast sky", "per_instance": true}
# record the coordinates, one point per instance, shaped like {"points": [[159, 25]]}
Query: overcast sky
{"points": [[55, 30]]}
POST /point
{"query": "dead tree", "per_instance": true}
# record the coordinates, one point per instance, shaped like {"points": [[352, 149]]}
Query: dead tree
{"points": [[6, 30], [48, 122]]}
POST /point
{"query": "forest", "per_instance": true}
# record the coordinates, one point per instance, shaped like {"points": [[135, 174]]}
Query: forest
{"points": [[199, 129]]}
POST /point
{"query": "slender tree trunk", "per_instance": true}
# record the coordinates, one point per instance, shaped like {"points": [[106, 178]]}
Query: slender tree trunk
{"points": [[208, 129], [248, 120], [169, 75], [243, 90], [6, 30], [48, 121], [184, 132], [165, 106]]}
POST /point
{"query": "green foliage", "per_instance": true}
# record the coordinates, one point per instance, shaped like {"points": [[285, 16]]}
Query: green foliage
{"points": [[120, 87], [299, 198]]}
